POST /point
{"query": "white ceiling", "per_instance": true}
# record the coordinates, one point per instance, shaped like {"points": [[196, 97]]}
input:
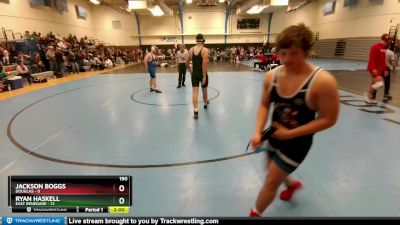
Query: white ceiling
{"points": [[174, 5]]}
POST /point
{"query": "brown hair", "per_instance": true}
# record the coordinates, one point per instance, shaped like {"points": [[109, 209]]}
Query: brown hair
{"points": [[385, 37], [298, 35]]}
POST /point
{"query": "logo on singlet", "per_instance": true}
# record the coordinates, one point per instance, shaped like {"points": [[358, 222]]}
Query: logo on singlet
{"points": [[299, 101], [287, 115]]}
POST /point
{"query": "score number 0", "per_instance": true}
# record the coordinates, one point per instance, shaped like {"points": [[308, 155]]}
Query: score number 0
{"points": [[121, 188]]}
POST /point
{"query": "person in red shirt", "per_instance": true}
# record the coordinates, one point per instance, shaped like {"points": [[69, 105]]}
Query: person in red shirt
{"points": [[262, 58], [377, 68], [262, 61], [275, 58]]}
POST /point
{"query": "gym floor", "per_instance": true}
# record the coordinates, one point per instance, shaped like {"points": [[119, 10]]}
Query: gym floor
{"points": [[110, 124]]}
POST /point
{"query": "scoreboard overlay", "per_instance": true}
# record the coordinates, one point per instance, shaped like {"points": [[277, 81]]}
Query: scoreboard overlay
{"points": [[75, 194]]}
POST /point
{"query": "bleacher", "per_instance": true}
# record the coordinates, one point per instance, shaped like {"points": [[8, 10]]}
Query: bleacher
{"points": [[11, 70], [355, 48], [13, 75], [28, 45], [46, 74]]}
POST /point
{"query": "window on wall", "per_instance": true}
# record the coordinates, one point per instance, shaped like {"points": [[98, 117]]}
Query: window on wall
{"points": [[81, 12], [61, 5], [116, 25], [350, 3], [376, 2], [47, 3], [329, 7], [40, 2]]}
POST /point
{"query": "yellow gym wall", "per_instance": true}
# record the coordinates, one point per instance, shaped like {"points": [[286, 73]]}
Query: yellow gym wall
{"points": [[102, 23], [19, 16], [362, 20], [157, 26]]}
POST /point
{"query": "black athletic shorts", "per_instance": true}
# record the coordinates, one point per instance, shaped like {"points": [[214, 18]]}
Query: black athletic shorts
{"points": [[197, 80], [288, 155]]}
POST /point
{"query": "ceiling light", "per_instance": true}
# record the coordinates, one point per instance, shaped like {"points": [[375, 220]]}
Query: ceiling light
{"points": [[137, 4], [189, 1], [221, 1], [255, 9], [96, 2], [279, 2], [156, 11]]}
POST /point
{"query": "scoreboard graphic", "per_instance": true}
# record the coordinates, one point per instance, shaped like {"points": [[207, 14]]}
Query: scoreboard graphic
{"points": [[75, 194]]}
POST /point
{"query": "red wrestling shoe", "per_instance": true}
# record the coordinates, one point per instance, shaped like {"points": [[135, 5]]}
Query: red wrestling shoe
{"points": [[287, 194], [254, 213]]}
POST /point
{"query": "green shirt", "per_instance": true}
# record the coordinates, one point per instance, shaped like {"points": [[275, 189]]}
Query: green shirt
{"points": [[3, 74]]}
